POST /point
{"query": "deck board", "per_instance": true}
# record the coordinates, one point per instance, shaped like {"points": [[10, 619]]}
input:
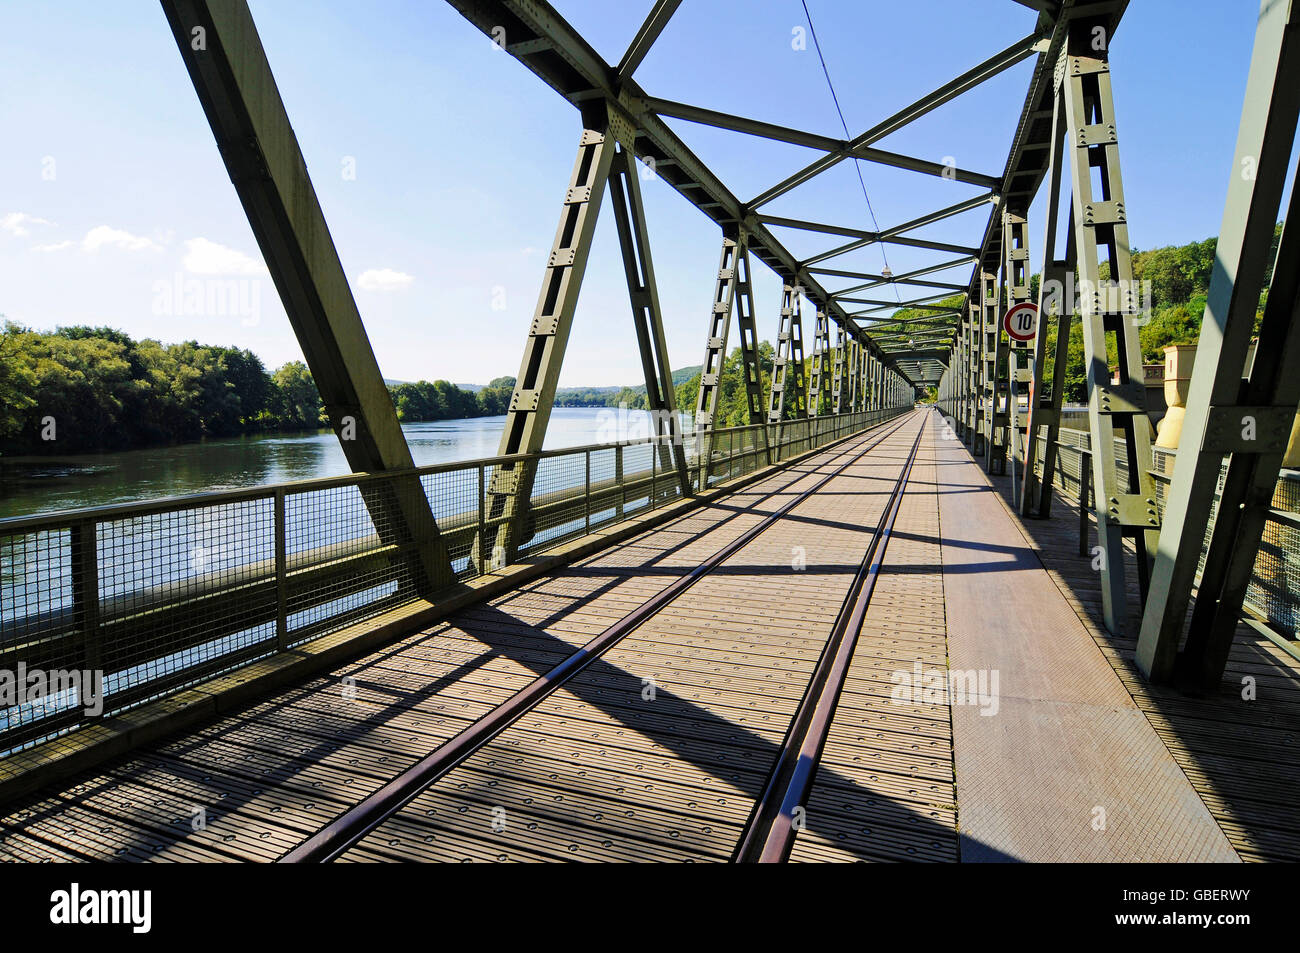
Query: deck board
{"points": [[597, 772]]}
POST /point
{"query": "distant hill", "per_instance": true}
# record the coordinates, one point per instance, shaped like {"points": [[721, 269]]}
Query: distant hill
{"points": [[632, 395], [607, 396]]}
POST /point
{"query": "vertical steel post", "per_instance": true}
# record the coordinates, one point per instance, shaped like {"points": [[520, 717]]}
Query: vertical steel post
{"points": [[1247, 419], [977, 367], [821, 367], [1055, 309], [992, 349], [837, 375], [1101, 223], [787, 369], [647, 317], [732, 287], [281, 573], [1015, 251], [510, 488]]}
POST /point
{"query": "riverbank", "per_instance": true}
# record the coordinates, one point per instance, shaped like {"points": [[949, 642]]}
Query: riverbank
{"points": [[44, 484]]}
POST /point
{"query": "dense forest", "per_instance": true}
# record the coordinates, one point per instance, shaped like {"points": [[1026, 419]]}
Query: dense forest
{"points": [[80, 389]]}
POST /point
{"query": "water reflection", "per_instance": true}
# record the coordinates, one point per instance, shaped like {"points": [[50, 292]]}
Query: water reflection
{"points": [[34, 485]]}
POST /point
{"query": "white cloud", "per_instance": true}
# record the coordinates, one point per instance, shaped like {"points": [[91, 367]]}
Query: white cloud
{"points": [[102, 235], [383, 279], [203, 257], [15, 223], [53, 246]]}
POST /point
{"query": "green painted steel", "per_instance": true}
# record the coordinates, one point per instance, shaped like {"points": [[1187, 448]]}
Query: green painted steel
{"points": [[234, 82], [1015, 272], [787, 364], [732, 289], [1240, 412], [1054, 310], [548, 336], [647, 317], [1127, 509], [819, 379]]}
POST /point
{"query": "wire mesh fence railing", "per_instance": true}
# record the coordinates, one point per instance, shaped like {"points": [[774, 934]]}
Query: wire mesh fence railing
{"points": [[103, 609], [1272, 602]]}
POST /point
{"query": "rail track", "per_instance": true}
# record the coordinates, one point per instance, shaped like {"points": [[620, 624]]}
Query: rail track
{"points": [[769, 832]]}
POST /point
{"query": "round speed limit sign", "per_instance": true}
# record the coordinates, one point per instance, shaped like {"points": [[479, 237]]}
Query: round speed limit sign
{"points": [[1021, 322]]}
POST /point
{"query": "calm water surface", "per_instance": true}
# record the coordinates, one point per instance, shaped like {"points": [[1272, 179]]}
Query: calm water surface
{"points": [[35, 485]]}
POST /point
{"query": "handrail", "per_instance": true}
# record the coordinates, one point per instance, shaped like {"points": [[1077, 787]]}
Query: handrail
{"points": [[1252, 615], [163, 504], [118, 589]]}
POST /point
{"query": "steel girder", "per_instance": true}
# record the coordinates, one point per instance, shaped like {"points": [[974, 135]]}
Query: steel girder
{"points": [[975, 368], [855, 370], [1247, 419], [879, 280], [545, 43], [994, 65], [992, 357], [510, 487], [958, 380], [894, 236], [1015, 269], [821, 367], [647, 317], [552, 49], [1053, 310], [838, 375], [733, 287], [864, 237], [1125, 508], [1027, 160], [233, 79], [936, 318], [787, 364], [649, 31]]}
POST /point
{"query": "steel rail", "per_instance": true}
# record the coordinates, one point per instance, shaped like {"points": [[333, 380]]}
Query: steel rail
{"points": [[769, 831], [350, 827]]}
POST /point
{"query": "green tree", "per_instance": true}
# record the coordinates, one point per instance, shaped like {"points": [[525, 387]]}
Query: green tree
{"points": [[295, 401]]}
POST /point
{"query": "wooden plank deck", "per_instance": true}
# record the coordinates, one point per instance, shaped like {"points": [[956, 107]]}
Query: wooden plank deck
{"points": [[886, 788], [252, 785], [602, 772]]}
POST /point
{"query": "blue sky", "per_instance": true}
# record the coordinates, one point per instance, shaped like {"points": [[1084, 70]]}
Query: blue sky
{"points": [[114, 193]]}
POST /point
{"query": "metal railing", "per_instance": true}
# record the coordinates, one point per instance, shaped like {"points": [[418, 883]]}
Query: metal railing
{"points": [[159, 595], [1272, 603]]}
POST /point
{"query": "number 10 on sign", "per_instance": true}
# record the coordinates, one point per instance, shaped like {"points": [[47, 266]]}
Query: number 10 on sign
{"points": [[1021, 321]]}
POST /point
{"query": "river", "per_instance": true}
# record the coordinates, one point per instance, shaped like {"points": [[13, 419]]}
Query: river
{"points": [[45, 484]]}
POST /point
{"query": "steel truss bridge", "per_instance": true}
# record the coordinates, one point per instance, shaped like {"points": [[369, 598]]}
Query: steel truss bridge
{"points": [[522, 604]]}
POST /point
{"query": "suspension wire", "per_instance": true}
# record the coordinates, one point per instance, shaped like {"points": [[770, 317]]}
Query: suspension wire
{"points": [[857, 162]]}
